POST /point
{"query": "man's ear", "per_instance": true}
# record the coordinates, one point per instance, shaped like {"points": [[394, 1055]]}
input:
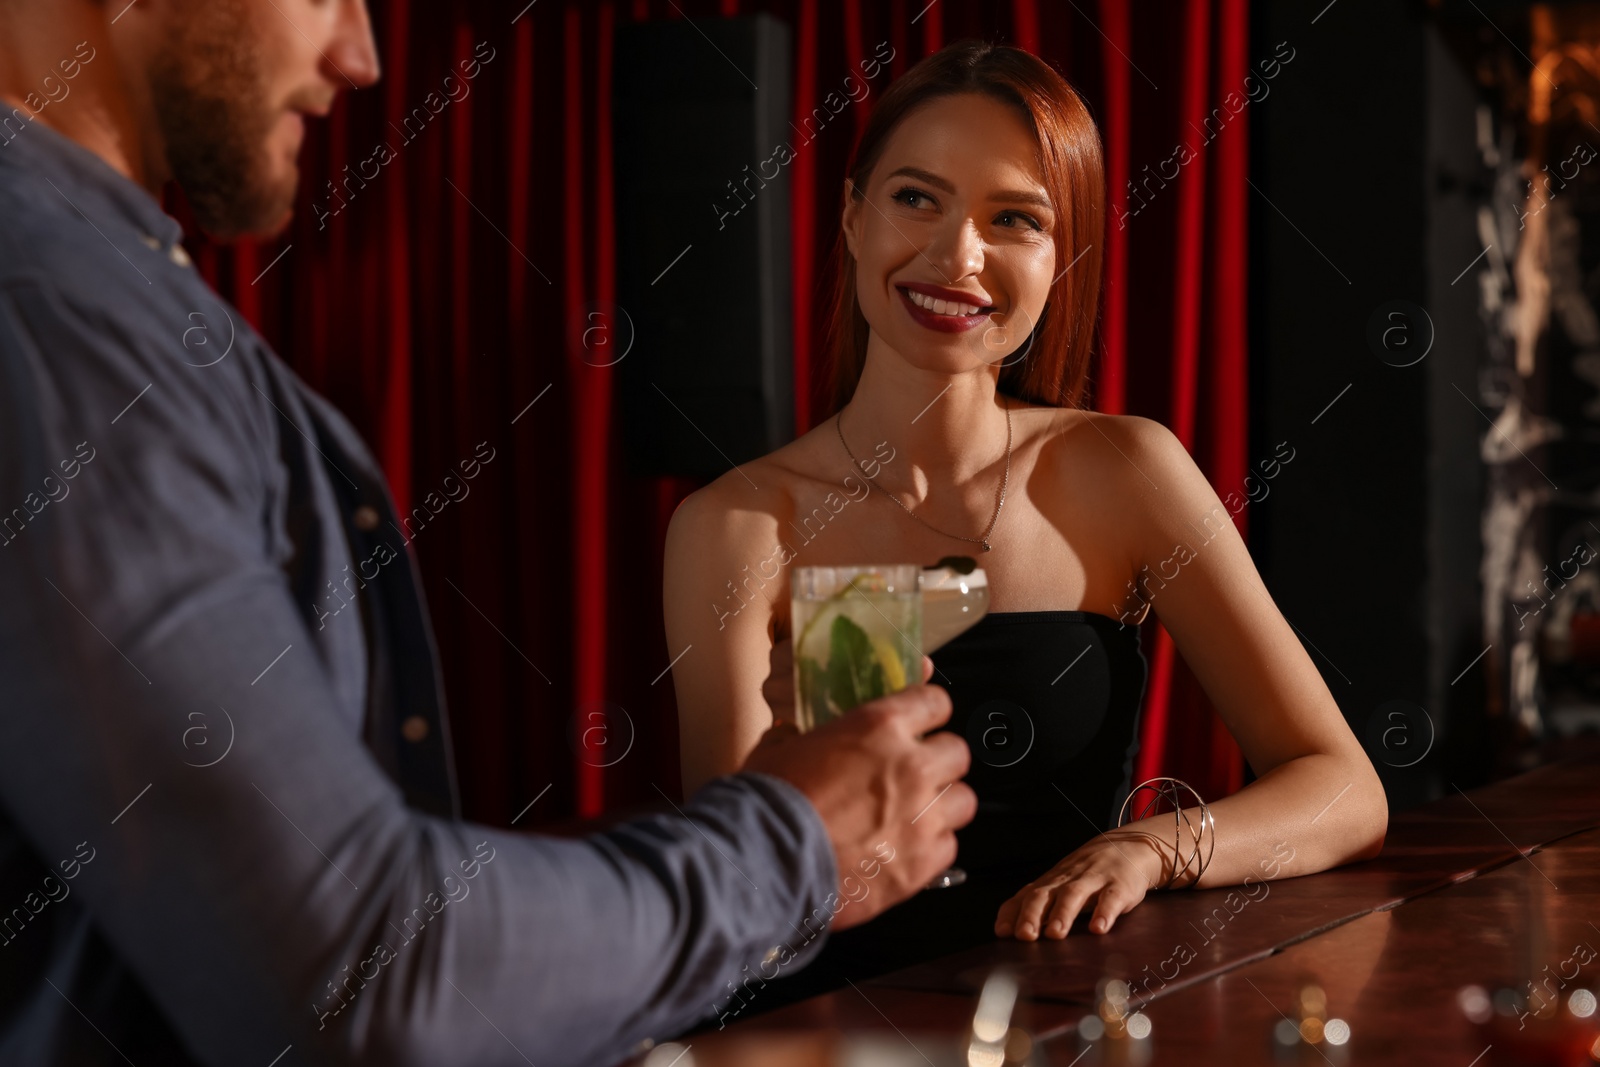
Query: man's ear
{"points": [[850, 219]]}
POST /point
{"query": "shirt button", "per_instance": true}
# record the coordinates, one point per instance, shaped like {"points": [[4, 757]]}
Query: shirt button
{"points": [[414, 729], [177, 254], [366, 518]]}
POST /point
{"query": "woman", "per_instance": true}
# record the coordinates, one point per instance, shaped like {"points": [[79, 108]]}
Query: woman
{"points": [[969, 274]]}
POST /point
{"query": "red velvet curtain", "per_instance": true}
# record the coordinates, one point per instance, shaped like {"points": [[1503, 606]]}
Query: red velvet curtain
{"points": [[456, 230]]}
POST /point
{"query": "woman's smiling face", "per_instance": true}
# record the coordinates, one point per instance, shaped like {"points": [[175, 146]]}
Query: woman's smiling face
{"points": [[953, 235]]}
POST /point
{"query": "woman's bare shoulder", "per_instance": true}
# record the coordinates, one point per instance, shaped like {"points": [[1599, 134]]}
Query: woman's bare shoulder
{"points": [[1128, 465], [1146, 485], [1070, 423], [752, 499], [1107, 449]]}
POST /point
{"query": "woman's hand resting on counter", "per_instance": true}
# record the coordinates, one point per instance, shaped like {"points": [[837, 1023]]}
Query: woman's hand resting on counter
{"points": [[1114, 870]]}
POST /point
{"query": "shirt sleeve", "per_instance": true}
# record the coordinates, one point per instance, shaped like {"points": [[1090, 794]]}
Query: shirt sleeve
{"points": [[277, 890]]}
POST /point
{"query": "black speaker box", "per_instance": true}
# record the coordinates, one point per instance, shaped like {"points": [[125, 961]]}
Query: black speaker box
{"points": [[700, 122]]}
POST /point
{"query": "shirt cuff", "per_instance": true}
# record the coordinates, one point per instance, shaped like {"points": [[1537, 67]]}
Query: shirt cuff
{"points": [[816, 888]]}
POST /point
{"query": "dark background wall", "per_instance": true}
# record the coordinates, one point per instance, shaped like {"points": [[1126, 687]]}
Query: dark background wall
{"points": [[1370, 541]]}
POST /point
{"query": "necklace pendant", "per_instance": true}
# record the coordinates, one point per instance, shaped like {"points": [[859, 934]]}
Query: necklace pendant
{"points": [[986, 546]]}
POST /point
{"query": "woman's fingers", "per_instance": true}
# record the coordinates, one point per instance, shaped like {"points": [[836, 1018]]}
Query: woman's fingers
{"points": [[1006, 920], [778, 689], [1049, 906], [1110, 905], [1061, 916], [1069, 901], [1036, 899], [1025, 927]]}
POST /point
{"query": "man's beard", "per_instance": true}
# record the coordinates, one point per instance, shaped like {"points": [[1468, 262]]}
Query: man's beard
{"points": [[211, 103]]}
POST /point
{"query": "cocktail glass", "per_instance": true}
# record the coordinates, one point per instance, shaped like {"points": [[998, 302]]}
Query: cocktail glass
{"points": [[955, 595], [857, 636], [860, 633]]}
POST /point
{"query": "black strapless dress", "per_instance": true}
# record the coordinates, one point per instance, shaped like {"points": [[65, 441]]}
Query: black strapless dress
{"points": [[1049, 702]]}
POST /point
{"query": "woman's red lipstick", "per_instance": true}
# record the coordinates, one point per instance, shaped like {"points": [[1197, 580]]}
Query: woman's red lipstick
{"points": [[944, 323]]}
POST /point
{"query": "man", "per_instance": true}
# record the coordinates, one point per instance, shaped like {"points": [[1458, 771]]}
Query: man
{"points": [[227, 826]]}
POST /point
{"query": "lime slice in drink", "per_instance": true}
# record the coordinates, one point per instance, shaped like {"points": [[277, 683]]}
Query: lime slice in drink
{"points": [[894, 671]]}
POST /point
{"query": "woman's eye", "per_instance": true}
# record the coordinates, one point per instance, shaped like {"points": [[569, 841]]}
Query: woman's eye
{"points": [[912, 197], [1007, 218]]}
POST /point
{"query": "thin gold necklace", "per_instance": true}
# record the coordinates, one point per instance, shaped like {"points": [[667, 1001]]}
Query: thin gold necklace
{"points": [[1000, 497]]}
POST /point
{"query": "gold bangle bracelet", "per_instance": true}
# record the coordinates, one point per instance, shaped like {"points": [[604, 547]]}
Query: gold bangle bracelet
{"points": [[1169, 791]]}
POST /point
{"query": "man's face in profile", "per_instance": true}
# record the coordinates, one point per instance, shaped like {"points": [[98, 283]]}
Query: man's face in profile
{"points": [[230, 84]]}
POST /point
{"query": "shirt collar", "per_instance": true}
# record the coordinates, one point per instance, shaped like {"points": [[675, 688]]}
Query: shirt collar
{"points": [[90, 183]]}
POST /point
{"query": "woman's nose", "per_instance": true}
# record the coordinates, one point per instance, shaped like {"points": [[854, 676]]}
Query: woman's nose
{"points": [[957, 249]]}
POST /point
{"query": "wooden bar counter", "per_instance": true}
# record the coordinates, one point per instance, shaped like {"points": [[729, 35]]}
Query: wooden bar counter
{"points": [[1487, 889]]}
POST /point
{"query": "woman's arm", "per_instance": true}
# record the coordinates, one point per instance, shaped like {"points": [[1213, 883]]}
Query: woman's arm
{"points": [[1316, 789], [722, 588], [1317, 797]]}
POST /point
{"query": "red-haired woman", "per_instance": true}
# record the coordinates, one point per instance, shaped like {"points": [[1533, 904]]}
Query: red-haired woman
{"points": [[968, 280]]}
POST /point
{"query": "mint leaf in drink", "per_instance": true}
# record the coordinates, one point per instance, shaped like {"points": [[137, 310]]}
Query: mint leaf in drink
{"points": [[854, 676]]}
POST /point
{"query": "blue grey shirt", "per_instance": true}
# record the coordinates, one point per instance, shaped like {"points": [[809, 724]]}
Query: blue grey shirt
{"points": [[228, 823]]}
